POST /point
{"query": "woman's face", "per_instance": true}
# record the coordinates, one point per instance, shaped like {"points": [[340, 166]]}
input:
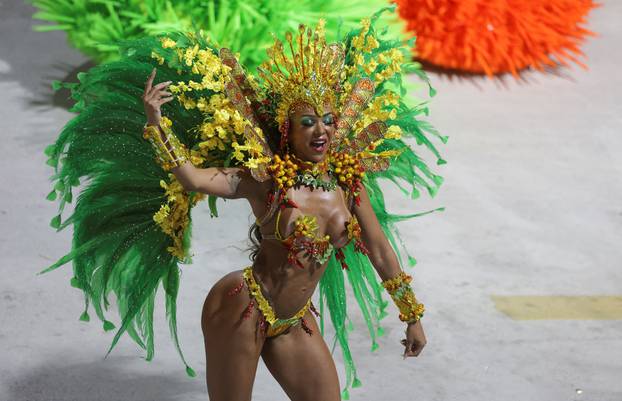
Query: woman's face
{"points": [[310, 135]]}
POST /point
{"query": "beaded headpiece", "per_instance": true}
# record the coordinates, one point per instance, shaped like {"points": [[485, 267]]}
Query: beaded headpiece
{"points": [[310, 76], [314, 74]]}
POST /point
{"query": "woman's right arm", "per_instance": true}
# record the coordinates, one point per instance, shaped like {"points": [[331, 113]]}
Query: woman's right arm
{"points": [[229, 183], [224, 182]]}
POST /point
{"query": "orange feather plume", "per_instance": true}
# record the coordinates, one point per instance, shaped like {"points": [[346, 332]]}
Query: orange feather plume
{"points": [[497, 36]]}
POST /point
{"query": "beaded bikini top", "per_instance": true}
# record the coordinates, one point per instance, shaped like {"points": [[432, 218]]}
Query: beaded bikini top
{"points": [[305, 239]]}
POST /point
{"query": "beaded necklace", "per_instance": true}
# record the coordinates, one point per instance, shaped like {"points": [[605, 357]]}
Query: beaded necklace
{"points": [[342, 168]]}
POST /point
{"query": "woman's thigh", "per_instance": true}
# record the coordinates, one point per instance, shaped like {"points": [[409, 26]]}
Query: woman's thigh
{"points": [[302, 364], [233, 342]]}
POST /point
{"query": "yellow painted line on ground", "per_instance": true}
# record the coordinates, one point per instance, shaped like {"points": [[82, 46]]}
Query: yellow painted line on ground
{"points": [[560, 307]]}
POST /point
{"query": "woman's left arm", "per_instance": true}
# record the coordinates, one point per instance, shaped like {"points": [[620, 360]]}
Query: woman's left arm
{"points": [[386, 263]]}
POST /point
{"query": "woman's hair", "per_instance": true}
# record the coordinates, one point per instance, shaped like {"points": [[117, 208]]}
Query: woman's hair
{"points": [[273, 137], [254, 236]]}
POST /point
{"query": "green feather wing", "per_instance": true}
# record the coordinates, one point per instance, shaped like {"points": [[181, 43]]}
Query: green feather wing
{"points": [[117, 245], [407, 170]]}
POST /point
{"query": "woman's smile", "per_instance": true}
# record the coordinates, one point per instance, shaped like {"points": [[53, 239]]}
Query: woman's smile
{"points": [[320, 145]]}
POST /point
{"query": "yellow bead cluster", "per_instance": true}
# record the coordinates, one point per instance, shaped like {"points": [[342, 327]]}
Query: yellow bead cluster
{"points": [[284, 171], [263, 304], [354, 229], [393, 284], [307, 226], [347, 168], [404, 297]]}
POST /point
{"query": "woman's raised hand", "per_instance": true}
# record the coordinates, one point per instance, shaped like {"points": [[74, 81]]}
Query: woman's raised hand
{"points": [[154, 97]]}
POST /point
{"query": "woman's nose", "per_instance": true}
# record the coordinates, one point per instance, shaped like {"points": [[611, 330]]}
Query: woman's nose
{"points": [[321, 127]]}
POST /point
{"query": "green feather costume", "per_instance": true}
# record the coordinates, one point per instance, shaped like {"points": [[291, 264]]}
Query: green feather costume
{"points": [[132, 220]]}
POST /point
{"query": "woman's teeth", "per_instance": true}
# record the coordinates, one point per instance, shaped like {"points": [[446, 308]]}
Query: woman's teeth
{"points": [[318, 145]]}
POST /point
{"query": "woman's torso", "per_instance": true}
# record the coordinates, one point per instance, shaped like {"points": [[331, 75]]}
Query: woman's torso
{"points": [[289, 285]]}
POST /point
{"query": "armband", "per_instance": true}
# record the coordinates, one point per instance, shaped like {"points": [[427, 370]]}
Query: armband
{"points": [[170, 152], [404, 297]]}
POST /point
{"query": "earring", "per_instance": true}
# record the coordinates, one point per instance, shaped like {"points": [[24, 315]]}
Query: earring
{"points": [[284, 129]]}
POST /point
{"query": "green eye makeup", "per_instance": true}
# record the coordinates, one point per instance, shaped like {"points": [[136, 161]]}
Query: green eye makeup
{"points": [[307, 121]]}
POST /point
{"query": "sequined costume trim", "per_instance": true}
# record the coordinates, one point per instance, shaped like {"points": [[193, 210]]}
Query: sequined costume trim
{"points": [[273, 326], [402, 294], [170, 152]]}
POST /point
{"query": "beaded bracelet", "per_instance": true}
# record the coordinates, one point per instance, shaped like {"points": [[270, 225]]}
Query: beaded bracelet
{"points": [[170, 152], [404, 297]]}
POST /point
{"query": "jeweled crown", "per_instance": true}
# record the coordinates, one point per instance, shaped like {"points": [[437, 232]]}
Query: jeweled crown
{"points": [[310, 75]]}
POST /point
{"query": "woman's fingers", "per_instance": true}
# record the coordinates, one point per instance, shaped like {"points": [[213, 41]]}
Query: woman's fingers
{"points": [[415, 349], [157, 90], [150, 79], [408, 349], [162, 85], [411, 348], [165, 100], [156, 95]]}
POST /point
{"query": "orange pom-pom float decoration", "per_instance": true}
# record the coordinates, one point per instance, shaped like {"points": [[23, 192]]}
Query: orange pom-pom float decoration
{"points": [[497, 36]]}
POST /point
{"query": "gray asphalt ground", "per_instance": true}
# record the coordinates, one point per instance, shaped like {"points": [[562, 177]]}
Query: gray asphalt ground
{"points": [[533, 197]]}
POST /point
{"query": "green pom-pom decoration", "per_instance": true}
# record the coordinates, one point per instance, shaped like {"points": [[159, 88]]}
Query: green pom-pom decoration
{"points": [[242, 25]]}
